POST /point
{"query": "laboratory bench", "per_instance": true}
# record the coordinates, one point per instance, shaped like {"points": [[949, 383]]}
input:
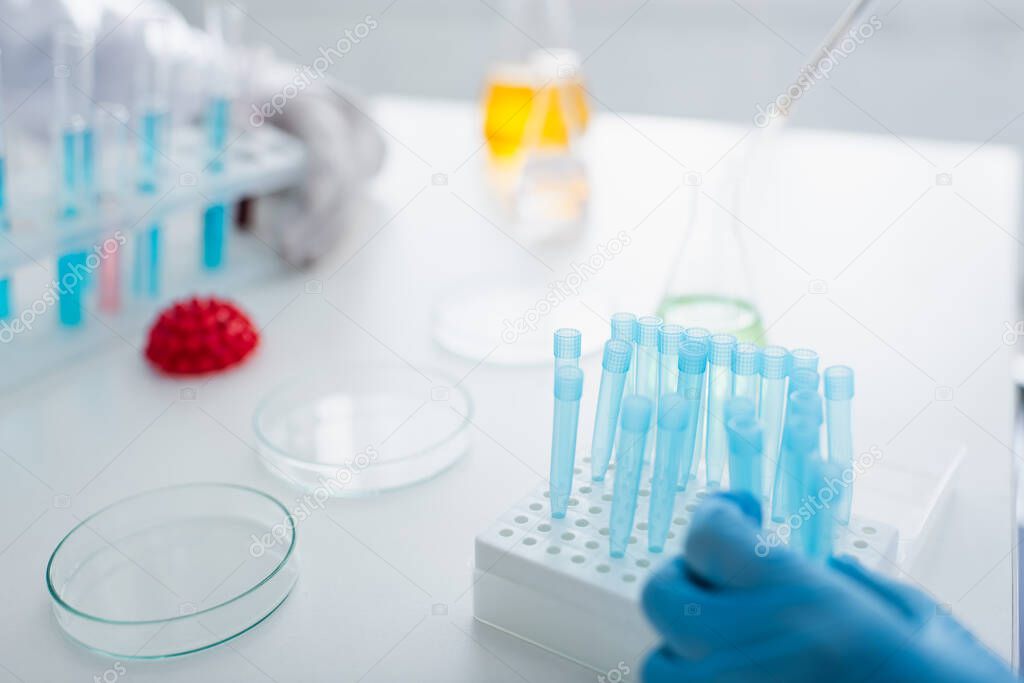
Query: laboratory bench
{"points": [[893, 255]]}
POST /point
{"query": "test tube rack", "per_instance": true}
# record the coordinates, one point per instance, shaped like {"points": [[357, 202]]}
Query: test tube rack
{"points": [[552, 583], [258, 162]]}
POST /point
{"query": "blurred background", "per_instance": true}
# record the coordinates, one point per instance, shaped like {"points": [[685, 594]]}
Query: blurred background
{"points": [[937, 68]]}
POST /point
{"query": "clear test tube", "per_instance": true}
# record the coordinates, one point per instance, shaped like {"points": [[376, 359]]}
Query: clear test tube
{"points": [[719, 390], [746, 371], [614, 370], [648, 361], [693, 362], [673, 415], [223, 22], [774, 369], [568, 389], [629, 455], [700, 335], [839, 424], [670, 338], [624, 330]]}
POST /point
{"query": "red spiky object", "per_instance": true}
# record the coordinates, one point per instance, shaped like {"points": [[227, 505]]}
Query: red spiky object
{"points": [[199, 336]]}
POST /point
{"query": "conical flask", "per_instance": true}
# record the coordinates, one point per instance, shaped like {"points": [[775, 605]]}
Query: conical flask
{"points": [[710, 284]]}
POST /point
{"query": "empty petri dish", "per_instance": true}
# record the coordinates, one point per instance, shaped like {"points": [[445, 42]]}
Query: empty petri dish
{"points": [[173, 571], [363, 430]]}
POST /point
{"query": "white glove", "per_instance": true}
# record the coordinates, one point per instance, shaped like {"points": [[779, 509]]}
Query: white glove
{"points": [[344, 146]]}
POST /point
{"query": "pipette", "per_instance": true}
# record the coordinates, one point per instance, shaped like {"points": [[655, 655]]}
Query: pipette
{"points": [[629, 456], [804, 378], [719, 389], [745, 446], [803, 358], [774, 368], [673, 415], [693, 362], [802, 407], [73, 86], [568, 346], [839, 423], [624, 330], [746, 367], [670, 337], [153, 112], [5, 224], [568, 389], [614, 368], [647, 364], [223, 22]]}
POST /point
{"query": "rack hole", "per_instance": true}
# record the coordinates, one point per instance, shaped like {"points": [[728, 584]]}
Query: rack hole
{"points": [[632, 539], [529, 541], [577, 470], [573, 501], [554, 550], [544, 527], [578, 559], [568, 536], [679, 521], [603, 568], [628, 578], [869, 530], [645, 492], [582, 523], [603, 531], [606, 497], [860, 544], [642, 526], [691, 507], [535, 506], [593, 545], [585, 489], [506, 532], [595, 509], [522, 519], [643, 563]]}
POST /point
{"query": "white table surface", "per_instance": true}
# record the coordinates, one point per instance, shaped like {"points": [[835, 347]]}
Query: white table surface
{"points": [[918, 280]]}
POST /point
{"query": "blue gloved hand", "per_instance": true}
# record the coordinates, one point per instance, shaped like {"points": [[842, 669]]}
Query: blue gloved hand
{"points": [[735, 610]]}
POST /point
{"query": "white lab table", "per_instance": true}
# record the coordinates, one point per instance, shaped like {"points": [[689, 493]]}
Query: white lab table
{"points": [[861, 249]]}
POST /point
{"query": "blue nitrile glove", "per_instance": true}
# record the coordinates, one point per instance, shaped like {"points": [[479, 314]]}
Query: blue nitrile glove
{"points": [[736, 610]]}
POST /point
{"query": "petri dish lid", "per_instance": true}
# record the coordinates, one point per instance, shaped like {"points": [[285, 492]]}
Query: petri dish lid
{"points": [[363, 430], [173, 571]]}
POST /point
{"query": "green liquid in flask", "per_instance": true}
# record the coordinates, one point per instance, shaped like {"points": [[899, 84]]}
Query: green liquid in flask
{"points": [[720, 314]]}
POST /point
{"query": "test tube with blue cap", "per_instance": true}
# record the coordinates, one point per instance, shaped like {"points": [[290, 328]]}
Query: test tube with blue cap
{"points": [[568, 345], [693, 363], [670, 337], [152, 110], [629, 457], [568, 390], [224, 24], [624, 330], [745, 451], [5, 223], [800, 451], [73, 87], [839, 428], [774, 369], [673, 416], [803, 358], [746, 371], [802, 408], [719, 389], [614, 369], [648, 361], [702, 336]]}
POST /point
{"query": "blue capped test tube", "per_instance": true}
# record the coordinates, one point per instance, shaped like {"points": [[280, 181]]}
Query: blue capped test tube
{"points": [[693, 363], [629, 457], [839, 427], [648, 361], [73, 88], [700, 335], [568, 345], [5, 223], [673, 415], [624, 330], [224, 24], [719, 389], [803, 407], [614, 369], [774, 369], [152, 110], [568, 389], [820, 481], [670, 337], [746, 371], [804, 378], [745, 450], [803, 358]]}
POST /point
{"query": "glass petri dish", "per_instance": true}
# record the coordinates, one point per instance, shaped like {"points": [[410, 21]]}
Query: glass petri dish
{"points": [[363, 430], [173, 571]]}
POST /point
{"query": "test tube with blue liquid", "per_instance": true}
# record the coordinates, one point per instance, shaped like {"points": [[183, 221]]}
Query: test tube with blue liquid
{"points": [[624, 330], [629, 457], [223, 23], [648, 361], [693, 362], [670, 338], [568, 390], [5, 223], [771, 412], [839, 428], [614, 370], [673, 415], [153, 85], [73, 88], [719, 390]]}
